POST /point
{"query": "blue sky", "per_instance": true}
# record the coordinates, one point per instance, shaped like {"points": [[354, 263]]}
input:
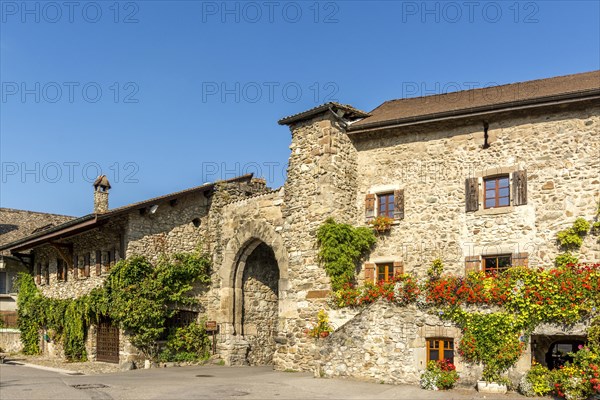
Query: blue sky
{"points": [[161, 96]]}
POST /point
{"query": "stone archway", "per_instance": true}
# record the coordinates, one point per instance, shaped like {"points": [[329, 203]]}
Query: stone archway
{"points": [[257, 315], [254, 280]]}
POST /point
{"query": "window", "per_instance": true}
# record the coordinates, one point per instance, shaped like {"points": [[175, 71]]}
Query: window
{"points": [[385, 272], [509, 189], [47, 273], [440, 348], [385, 205], [86, 265], [497, 263], [497, 192]]}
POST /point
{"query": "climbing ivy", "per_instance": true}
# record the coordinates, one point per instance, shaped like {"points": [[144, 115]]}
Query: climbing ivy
{"points": [[572, 238], [341, 246], [137, 295]]}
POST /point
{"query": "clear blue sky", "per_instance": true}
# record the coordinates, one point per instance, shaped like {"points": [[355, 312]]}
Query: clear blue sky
{"points": [[191, 91]]}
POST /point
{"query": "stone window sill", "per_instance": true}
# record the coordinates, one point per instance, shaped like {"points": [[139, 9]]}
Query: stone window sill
{"points": [[495, 211]]}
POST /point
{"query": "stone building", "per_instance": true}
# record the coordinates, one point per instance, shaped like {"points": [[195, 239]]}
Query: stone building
{"points": [[483, 179]]}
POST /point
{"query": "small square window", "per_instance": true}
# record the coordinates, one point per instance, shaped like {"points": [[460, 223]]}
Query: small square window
{"points": [[497, 263], [440, 348], [497, 192], [385, 204], [385, 272]]}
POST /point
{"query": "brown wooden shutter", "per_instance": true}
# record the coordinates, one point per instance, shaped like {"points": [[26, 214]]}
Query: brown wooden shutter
{"points": [[98, 263], [472, 194], [519, 187], [47, 273], [472, 263], [109, 260], [86, 264], [369, 272], [520, 260], [75, 267], [399, 204], [398, 268], [59, 269], [370, 207], [38, 273]]}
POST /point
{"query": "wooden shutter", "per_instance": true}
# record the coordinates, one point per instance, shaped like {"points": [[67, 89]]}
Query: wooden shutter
{"points": [[519, 187], [59, 269], [370, 207], [472, 194], [75, 267], [86, 264], [109, 260], [47, 274], [520, 260], [398, 268], [38, 273], [98, 260], [472, 263], [369, 272], [399, 204]]}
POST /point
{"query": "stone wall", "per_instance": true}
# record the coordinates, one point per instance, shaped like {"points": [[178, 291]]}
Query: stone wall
{"points": [[10, 340], [558, 150], [107, 238], [386, 343]]}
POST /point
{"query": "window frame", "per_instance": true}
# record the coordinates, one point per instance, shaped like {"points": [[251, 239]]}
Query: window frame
{"points": [[496, 270], [441, 342], [387, 195], [496, 189], [388, 271]]}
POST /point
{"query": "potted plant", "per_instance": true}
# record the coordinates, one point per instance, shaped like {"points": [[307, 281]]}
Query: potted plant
{"points": [[322, 328], [439, 375]]}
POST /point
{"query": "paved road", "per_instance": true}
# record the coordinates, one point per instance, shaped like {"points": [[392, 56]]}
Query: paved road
{"points": [[209, 382]]}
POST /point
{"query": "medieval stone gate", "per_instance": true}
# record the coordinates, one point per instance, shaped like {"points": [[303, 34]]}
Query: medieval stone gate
{"points": [[255, 275]]}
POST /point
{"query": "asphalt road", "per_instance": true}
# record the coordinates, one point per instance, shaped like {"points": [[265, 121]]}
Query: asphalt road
{"points": [[207, 382]]}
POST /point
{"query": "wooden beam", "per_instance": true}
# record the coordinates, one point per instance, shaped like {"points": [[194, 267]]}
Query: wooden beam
{"points": [[65, 255]]}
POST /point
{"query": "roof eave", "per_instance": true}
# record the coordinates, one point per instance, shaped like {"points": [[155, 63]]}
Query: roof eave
{"points": [[477, 111]]}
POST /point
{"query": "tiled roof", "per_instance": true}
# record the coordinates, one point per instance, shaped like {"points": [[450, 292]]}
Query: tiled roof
{"points": [[16, 224], [476, 100], [89, 221], [342, 110]]}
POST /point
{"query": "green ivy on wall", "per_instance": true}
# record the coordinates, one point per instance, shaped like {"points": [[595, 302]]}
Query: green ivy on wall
{"points": [[341, 246], [137, 295]]}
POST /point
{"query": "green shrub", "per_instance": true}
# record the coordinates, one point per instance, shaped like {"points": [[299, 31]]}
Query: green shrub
{"points": [[190, 343], [537, 381], [439, 375]]}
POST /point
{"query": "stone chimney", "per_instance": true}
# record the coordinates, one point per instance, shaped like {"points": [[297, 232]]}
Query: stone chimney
{"points": [[101, 187]]}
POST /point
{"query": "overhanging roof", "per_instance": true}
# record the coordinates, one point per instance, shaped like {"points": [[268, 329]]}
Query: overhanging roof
{"points": [[91, 221]]}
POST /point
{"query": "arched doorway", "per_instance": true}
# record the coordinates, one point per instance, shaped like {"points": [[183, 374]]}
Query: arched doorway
{"points": [[254, 301], [258, 313]]}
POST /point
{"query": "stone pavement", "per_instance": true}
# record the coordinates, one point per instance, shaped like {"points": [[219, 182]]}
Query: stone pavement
{"points": [[207, 382]]}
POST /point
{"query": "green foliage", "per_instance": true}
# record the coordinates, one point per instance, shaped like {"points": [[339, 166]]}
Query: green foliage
{"points": [[579, 379], [491, 339], [341, 246], [537, 381], [436, 269], [190, 343], [31, 315], [572, 238], [564, 259], [439, 374], [136, 295]]}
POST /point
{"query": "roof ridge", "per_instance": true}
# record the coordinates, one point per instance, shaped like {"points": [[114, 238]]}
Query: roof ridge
{"points": [[487, 88]]}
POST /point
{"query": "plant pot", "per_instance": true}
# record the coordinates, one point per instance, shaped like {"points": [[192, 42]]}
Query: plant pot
{"points": [[491, 387]]}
